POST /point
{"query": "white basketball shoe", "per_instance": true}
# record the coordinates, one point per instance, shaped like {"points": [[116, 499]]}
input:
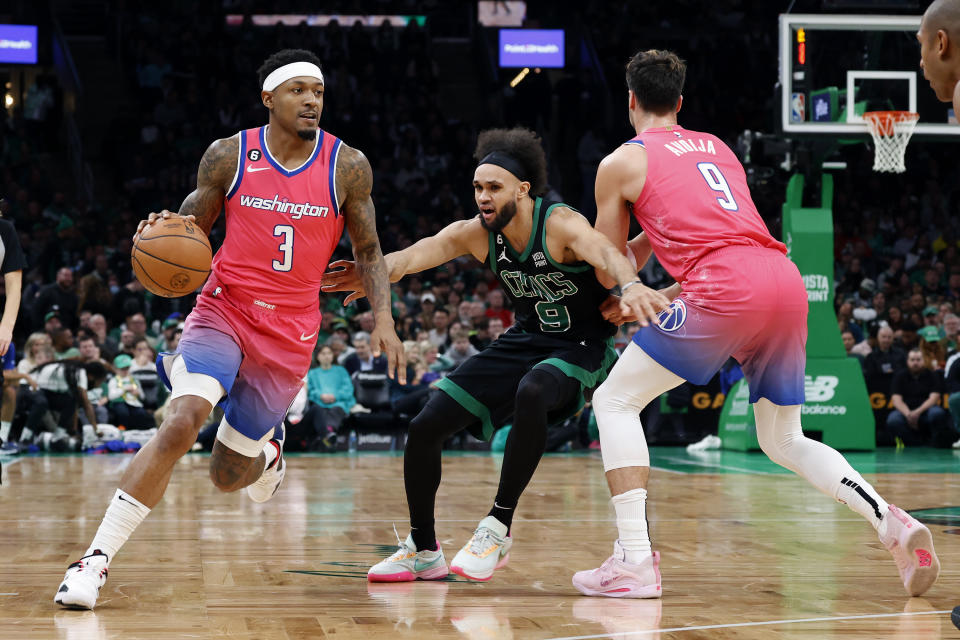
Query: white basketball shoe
{"points": [[81, 585], [486, 551], [407, 564], [268, 483]]}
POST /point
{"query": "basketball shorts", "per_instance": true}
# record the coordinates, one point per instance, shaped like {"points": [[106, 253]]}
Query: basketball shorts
{"points": [[486, 384], [257, 349], [745, 302]]}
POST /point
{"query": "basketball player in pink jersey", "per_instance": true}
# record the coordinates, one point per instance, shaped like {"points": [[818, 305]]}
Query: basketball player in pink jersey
{"points": [[288, 189], [741, 296], [939, 37]]}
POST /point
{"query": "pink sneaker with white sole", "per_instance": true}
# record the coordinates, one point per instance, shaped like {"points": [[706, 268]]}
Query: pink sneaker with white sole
{"points": [[616, 578], [911, 544]]}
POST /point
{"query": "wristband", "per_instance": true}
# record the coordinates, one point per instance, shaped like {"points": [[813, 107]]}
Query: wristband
{"points": [[629, 284]]}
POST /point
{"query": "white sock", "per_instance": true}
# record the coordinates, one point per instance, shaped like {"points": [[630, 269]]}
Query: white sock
{"points": [[5, 430], [270, 453], [124, 514], [631, 510], [26, 435]]}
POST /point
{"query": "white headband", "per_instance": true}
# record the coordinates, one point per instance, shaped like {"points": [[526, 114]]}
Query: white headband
{"points": [[293, 70]]}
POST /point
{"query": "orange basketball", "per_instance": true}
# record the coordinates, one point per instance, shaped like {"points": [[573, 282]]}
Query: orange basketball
{"points": [[172, 258]]}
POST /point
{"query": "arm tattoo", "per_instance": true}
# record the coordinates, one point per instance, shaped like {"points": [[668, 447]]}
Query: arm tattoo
{"points": [[355, 180], [217, 168]]}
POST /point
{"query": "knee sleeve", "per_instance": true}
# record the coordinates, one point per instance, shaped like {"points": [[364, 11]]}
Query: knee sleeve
{"points": [[778, 431], [635, 380]]}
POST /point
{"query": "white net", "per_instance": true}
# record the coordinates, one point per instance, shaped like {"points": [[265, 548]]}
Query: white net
{"points": [[891, 131]]}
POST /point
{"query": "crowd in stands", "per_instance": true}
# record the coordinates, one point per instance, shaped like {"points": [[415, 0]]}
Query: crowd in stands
{"points": [[88, 332]]}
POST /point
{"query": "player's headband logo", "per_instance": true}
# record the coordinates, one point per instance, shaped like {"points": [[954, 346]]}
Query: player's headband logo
{"points": [[508, 162], [293, 70], [673, 317]]}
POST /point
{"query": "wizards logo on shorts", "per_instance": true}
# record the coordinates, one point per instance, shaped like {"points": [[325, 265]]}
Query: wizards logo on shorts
{"points": [[673, 317]]}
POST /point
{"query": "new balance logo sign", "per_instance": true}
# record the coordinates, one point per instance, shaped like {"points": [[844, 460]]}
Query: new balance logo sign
{"points": [[821, 388], [818, 390]]}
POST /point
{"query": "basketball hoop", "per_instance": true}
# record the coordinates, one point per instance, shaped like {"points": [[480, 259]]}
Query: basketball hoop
{"points": [[891, 131]]}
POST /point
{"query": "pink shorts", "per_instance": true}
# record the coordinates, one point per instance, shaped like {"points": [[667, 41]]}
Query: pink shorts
{"points": [[257, 349], [745, 302]]}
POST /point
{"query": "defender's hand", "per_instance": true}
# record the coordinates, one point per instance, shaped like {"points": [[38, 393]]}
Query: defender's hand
{"points": [[154, 217], [644, 303], [384, 339], [611, 311], [345, 279]]}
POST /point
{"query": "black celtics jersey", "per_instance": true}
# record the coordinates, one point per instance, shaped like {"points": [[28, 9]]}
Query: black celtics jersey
{"points": [[558, 300]]}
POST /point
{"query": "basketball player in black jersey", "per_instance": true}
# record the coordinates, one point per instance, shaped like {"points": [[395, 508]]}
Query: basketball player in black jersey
{"points": [[544, 255]]}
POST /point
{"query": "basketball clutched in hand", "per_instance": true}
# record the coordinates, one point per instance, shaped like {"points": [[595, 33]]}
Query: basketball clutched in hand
{"points": [[172, 257]]}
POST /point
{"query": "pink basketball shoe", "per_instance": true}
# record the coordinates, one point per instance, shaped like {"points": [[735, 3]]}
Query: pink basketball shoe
{"points": [[911, 544], [618, 579]]}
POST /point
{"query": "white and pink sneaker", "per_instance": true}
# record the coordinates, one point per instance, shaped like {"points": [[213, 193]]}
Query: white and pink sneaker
{"points": [[911, 544], [619, 579]]}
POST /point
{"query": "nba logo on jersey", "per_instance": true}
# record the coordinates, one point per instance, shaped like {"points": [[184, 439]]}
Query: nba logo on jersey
{"points": [[673, 317]]}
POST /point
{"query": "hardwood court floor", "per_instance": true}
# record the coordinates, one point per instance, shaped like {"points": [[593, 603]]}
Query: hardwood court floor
{"points": [[748, 552]]}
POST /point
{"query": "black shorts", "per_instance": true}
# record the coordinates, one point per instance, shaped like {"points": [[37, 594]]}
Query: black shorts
{"points": [[486, 384]]}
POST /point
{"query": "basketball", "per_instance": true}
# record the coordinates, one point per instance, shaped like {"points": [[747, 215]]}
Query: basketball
{"points": [[171, 258]]}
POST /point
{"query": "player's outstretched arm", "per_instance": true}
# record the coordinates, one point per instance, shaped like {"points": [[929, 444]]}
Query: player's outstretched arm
{"points": [[593, 247], [355, 181], [202, 206], [456, 239]]}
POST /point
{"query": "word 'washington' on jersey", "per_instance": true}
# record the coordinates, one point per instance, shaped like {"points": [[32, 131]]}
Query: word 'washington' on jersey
{"points": [[682, 146], [548, 286], [296, 209]]}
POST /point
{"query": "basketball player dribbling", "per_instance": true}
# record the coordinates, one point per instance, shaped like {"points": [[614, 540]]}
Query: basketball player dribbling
{"points": [[741, 297], [939, 37], [288, 189]]}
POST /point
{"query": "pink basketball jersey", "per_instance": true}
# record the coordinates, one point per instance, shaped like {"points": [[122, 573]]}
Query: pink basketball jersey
{"points": [[282, 225], [695, 199]]}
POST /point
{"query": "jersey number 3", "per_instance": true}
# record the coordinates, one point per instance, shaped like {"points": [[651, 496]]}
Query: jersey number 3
{"points": [[716, 181], [286, 247]]}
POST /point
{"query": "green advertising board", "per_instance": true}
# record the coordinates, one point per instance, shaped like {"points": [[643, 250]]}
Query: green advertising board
{"points": [[837, 405]]}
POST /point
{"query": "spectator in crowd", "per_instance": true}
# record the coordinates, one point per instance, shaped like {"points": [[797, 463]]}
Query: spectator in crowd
{"points": [[330, 392], [63, 346], [933, 349], [907, 338], [439, 335], [62, 387], [432, 358], [848, 343], [460, 347], [58, 296], [108, 346], [917, 418], [90, 352], [428, 304], [951, 329], [144, 369], [51, 322], [952, 388], [126, 397], [496, 328], [883, 362], [12, 379], [167, 329], [34, 344], [480, 336], [362, 359], [496, 308], [96, 392]]}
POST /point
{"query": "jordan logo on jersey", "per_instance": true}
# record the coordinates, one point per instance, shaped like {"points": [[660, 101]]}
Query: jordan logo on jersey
{"points": [[503, 256]]}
